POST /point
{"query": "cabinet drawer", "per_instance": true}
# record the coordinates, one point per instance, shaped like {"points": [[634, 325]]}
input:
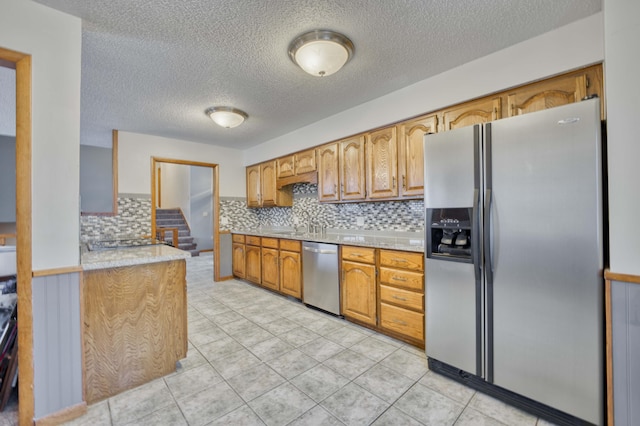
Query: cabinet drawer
{"points": [[237, 238], [402, 321], [270, 242], [400, 278], [252, 240], [406, 298], [402, 259], [358, 254], [290, 245]]}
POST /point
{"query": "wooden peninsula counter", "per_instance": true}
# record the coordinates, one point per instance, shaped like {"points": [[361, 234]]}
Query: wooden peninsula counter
{"points": [[134, 308]]}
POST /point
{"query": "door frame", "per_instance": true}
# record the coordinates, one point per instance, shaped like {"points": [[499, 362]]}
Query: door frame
{"points": [[22, 63], [155, 161]]}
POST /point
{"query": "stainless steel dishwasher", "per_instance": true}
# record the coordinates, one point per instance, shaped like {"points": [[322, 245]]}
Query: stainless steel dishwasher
{"points": [[320, 276]]}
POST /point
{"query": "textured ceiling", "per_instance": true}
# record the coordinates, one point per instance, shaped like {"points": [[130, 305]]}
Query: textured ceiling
{"points": [[154, 66]]}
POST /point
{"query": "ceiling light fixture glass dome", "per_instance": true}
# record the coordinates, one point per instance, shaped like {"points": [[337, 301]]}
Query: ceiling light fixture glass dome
{"points": [[226, 117], [321, 52]]}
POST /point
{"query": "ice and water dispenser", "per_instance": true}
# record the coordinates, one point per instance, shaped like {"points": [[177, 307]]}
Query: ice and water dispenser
{"points": [[449, 232]]}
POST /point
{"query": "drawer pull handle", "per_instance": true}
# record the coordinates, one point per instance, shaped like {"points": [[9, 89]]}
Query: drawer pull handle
{"points": [[399, 298], [397, 321], [356, 254], [399, 260], [402, 279]]}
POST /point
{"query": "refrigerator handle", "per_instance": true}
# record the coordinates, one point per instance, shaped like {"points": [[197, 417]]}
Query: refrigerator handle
{"points": [[475, 233], [487, 235]]}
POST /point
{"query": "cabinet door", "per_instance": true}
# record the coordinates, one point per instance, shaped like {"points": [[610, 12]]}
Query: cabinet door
{"points": [[554, 92], [328, 180], [253, 261], [359, 291], [474, 112], [270, 270], [305, 161], [268, 176], [253, 186], [291, 274], [411, 154], [382, 163], [238, 260], [285, 166], [352, 168]]}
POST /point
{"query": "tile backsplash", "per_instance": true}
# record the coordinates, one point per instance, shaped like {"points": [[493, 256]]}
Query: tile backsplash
{"points": [[133, 219], [134, 215], [379, 216]]}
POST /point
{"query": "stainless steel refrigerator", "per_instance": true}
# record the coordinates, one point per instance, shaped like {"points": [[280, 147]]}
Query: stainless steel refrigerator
{"points": [[514, 260]]}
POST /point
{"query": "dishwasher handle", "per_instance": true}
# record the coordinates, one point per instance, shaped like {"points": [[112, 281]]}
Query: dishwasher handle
{"points": [[320, 250]]}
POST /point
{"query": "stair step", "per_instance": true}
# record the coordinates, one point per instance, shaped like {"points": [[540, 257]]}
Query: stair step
{"points": [[173, 218]]}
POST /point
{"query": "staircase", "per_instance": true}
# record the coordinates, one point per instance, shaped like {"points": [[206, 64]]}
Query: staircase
{"points": [[173, 218]]}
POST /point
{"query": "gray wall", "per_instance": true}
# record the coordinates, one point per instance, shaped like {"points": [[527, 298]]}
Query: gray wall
{"points": [[57, 353], [96, 179], [201, 209], [625, 318], [7, 178]]}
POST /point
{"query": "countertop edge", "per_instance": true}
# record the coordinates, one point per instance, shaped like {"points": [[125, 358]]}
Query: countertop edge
{"points": [[130, 257], [381, 242]]}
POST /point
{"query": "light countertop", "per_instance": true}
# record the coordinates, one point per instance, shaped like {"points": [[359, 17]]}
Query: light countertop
{"points": [[115, 258], [393, 240]]}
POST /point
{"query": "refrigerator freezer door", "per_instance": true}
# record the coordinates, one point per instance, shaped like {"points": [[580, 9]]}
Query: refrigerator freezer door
{"points": [[451, 315], [453, 289], [449, 166], [547, 258]]}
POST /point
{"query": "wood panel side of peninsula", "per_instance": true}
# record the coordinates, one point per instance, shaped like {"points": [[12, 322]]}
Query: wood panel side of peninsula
{"points": [[135, 325]]}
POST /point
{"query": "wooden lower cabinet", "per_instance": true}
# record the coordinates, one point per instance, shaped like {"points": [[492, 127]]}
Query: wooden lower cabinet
{"points": [[403, 321], [253, 264], [273, 263], [291, 268], [134, 325], [359, 291], [401, 290], [270, 268], [238, 260]]}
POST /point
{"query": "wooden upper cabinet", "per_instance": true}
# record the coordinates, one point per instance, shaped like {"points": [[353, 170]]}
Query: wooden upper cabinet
{"points": [[411, 154], [475, 112], [562, 90], [285, 166], [352, 168], [269, 194], [382, 163], [253, 186], [328, 178], [305, 162]]}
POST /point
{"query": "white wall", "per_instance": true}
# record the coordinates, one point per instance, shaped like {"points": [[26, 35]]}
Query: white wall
{"points": [[622, 69], [569, 47], [134, 162], [176, 188], [54, 41]]}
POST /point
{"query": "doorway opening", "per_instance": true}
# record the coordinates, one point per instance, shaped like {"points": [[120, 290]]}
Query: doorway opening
{"points": [[196, 201]]}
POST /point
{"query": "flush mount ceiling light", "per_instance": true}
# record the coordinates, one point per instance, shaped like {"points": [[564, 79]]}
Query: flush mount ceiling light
{"points": [[227, 117], [321, 52]]}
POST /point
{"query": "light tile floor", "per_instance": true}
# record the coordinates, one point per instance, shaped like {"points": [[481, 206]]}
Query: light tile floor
{"points": [[257, 358]]}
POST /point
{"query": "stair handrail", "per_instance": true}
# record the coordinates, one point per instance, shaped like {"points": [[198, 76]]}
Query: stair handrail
{"points": [[160, 234]]}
